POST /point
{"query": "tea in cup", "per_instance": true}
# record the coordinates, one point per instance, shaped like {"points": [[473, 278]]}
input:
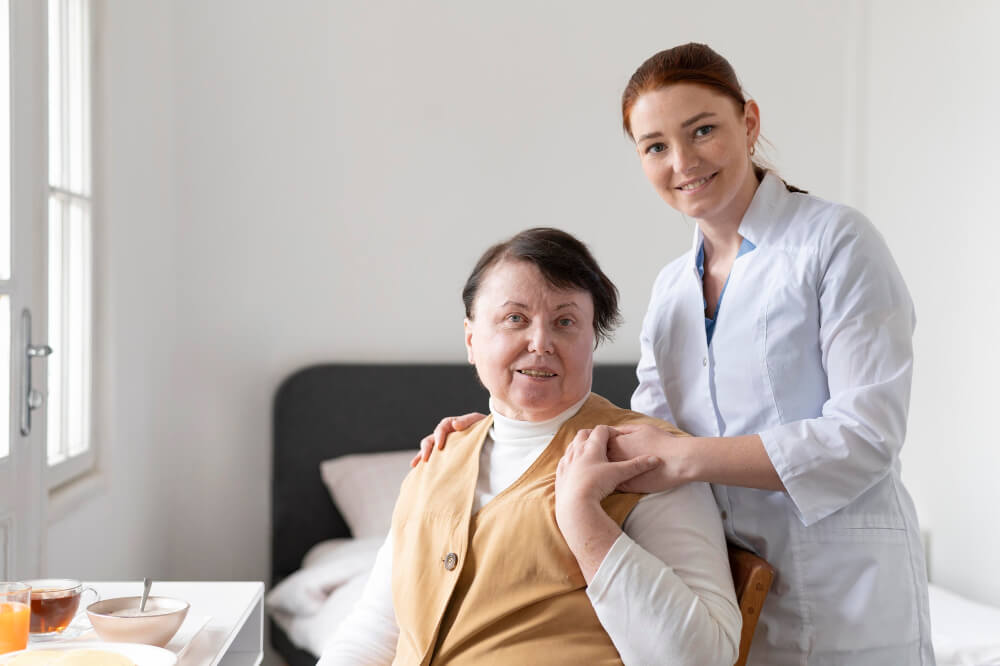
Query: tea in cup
{"points": [[14, 614], [54, 603]]}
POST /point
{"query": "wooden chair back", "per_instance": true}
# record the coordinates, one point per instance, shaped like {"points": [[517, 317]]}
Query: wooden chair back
{"points": [[752, 577]]}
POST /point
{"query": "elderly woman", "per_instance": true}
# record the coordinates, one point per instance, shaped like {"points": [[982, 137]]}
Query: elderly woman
{"points": [[511, 546]]}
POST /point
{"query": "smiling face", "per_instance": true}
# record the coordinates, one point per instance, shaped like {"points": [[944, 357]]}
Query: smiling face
{"points": [[694, 145], [532, 344]]}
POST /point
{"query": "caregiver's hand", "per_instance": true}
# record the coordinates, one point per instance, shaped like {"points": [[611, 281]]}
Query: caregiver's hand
{"points": [[633, 441], [584, 477], [739, 460], [448, 425]]}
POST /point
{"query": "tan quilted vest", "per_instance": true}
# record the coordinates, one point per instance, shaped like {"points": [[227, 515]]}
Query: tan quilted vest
{"points": [[500, 587]]}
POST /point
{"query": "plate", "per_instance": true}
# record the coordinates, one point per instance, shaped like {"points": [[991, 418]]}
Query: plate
{"points": [[142, 655]]}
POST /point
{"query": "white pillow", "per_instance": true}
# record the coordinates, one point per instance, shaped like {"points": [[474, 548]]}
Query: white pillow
{"points": [[364, 486]]}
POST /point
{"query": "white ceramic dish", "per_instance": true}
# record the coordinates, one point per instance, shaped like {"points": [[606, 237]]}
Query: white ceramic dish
{"points": [[142, 655]]}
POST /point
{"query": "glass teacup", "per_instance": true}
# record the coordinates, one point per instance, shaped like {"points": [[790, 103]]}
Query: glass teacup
{"points": [[54, 603]]}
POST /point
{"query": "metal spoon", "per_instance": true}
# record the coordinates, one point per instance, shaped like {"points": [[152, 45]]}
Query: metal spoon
{"points": [[146, 584]]}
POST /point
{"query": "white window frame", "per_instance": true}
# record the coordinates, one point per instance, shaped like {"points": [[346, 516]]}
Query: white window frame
{"points": [[71, 467]]}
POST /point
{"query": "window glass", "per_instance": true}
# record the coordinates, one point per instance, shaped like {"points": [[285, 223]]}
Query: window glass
{"points": [[69, 240], [4, 141]]}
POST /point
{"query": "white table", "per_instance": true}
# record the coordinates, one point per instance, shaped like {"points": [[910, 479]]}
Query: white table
{"points": [[234, 635]]}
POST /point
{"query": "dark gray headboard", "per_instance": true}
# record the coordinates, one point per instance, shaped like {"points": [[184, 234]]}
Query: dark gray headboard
{"points": [[324, 411]]}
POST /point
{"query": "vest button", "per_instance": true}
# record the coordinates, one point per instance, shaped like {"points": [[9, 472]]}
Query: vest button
{"points": [[450, 561]]}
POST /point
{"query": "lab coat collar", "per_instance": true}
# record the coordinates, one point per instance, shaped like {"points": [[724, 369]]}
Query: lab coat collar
{"points": [[760, 215], [693, 254], [758, 218]]}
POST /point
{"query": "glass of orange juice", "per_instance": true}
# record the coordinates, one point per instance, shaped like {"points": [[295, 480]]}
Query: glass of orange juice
{"points": [[15, 613]]}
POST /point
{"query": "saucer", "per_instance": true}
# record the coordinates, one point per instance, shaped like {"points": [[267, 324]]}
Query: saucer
{"points": [[72, 631]]}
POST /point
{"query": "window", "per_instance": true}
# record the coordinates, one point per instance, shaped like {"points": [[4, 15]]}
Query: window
{"points": [[69, 241], [5, 250]]}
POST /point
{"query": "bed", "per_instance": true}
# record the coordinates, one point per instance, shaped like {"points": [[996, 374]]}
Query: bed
{"points": [[346, 431]]}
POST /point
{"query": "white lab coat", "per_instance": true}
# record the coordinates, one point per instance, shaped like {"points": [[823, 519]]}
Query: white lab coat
{"points": [[812, 351]]}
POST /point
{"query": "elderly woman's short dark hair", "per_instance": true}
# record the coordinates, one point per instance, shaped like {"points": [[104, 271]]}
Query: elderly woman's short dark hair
{"points": [[564, 262]]}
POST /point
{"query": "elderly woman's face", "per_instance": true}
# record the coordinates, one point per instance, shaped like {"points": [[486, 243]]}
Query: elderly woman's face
{"points": [[532, 344]]}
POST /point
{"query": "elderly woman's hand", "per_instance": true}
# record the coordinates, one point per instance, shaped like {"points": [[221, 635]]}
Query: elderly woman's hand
{"points": [[436, 439], [583, 478], [585, 475]]}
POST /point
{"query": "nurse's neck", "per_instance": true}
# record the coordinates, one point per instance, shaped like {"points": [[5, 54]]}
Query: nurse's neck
{"points": [[718, 242], [722, 230]]}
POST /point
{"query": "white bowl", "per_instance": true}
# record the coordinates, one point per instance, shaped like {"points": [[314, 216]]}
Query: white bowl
{"points": [[117, 620]]}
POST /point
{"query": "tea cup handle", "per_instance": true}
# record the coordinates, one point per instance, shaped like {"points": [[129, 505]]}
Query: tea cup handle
{"points": [[83, 605]]}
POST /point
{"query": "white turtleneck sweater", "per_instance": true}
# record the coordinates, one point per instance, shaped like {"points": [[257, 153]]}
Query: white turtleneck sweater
{"points": [[663, 593]]}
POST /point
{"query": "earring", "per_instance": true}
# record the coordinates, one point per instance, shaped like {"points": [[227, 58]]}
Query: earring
{"points": [[753, 149]]}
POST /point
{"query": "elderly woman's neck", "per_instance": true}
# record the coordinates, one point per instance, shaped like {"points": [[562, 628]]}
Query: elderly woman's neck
{"points": [[507, 428]]}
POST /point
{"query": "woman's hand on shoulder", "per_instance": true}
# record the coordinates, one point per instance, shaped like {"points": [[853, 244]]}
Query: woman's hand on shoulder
{"points": [[436, 439], [632, 441], [585, 475]]}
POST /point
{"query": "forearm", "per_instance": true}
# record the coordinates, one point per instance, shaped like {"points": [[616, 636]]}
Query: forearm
{"points": [[584, 477], [737, 461], [653, 617], [664, 592], [590, 534], [731, 461]]}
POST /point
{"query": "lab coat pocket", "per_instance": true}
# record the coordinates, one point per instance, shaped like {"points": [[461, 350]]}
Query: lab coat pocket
{"points": [[859, 577], [860, 589]]}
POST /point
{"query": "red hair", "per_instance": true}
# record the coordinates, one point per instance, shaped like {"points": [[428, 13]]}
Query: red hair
{"points": [[688, 63]]}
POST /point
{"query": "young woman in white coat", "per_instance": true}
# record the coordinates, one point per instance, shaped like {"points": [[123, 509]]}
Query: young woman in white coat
{"points": [[782, 341]]}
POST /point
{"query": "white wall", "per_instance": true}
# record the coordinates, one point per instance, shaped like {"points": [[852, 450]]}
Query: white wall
{"points": [[932, 170], [113, 527], [310, 181]]}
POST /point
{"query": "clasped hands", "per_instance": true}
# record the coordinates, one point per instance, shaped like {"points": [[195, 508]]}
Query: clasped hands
{"points": [[601, 460]]}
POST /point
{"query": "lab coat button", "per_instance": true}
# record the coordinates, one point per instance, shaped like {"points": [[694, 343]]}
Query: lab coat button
{"points": [[704, 361], [450, 561], [724, 515]]}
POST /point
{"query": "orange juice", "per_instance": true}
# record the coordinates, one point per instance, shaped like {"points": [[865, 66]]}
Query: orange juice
{"points": [[14, 617]]}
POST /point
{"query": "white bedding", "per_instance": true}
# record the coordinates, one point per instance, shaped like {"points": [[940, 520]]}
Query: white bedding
{"points": [[309, 604], [965, 633]]}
